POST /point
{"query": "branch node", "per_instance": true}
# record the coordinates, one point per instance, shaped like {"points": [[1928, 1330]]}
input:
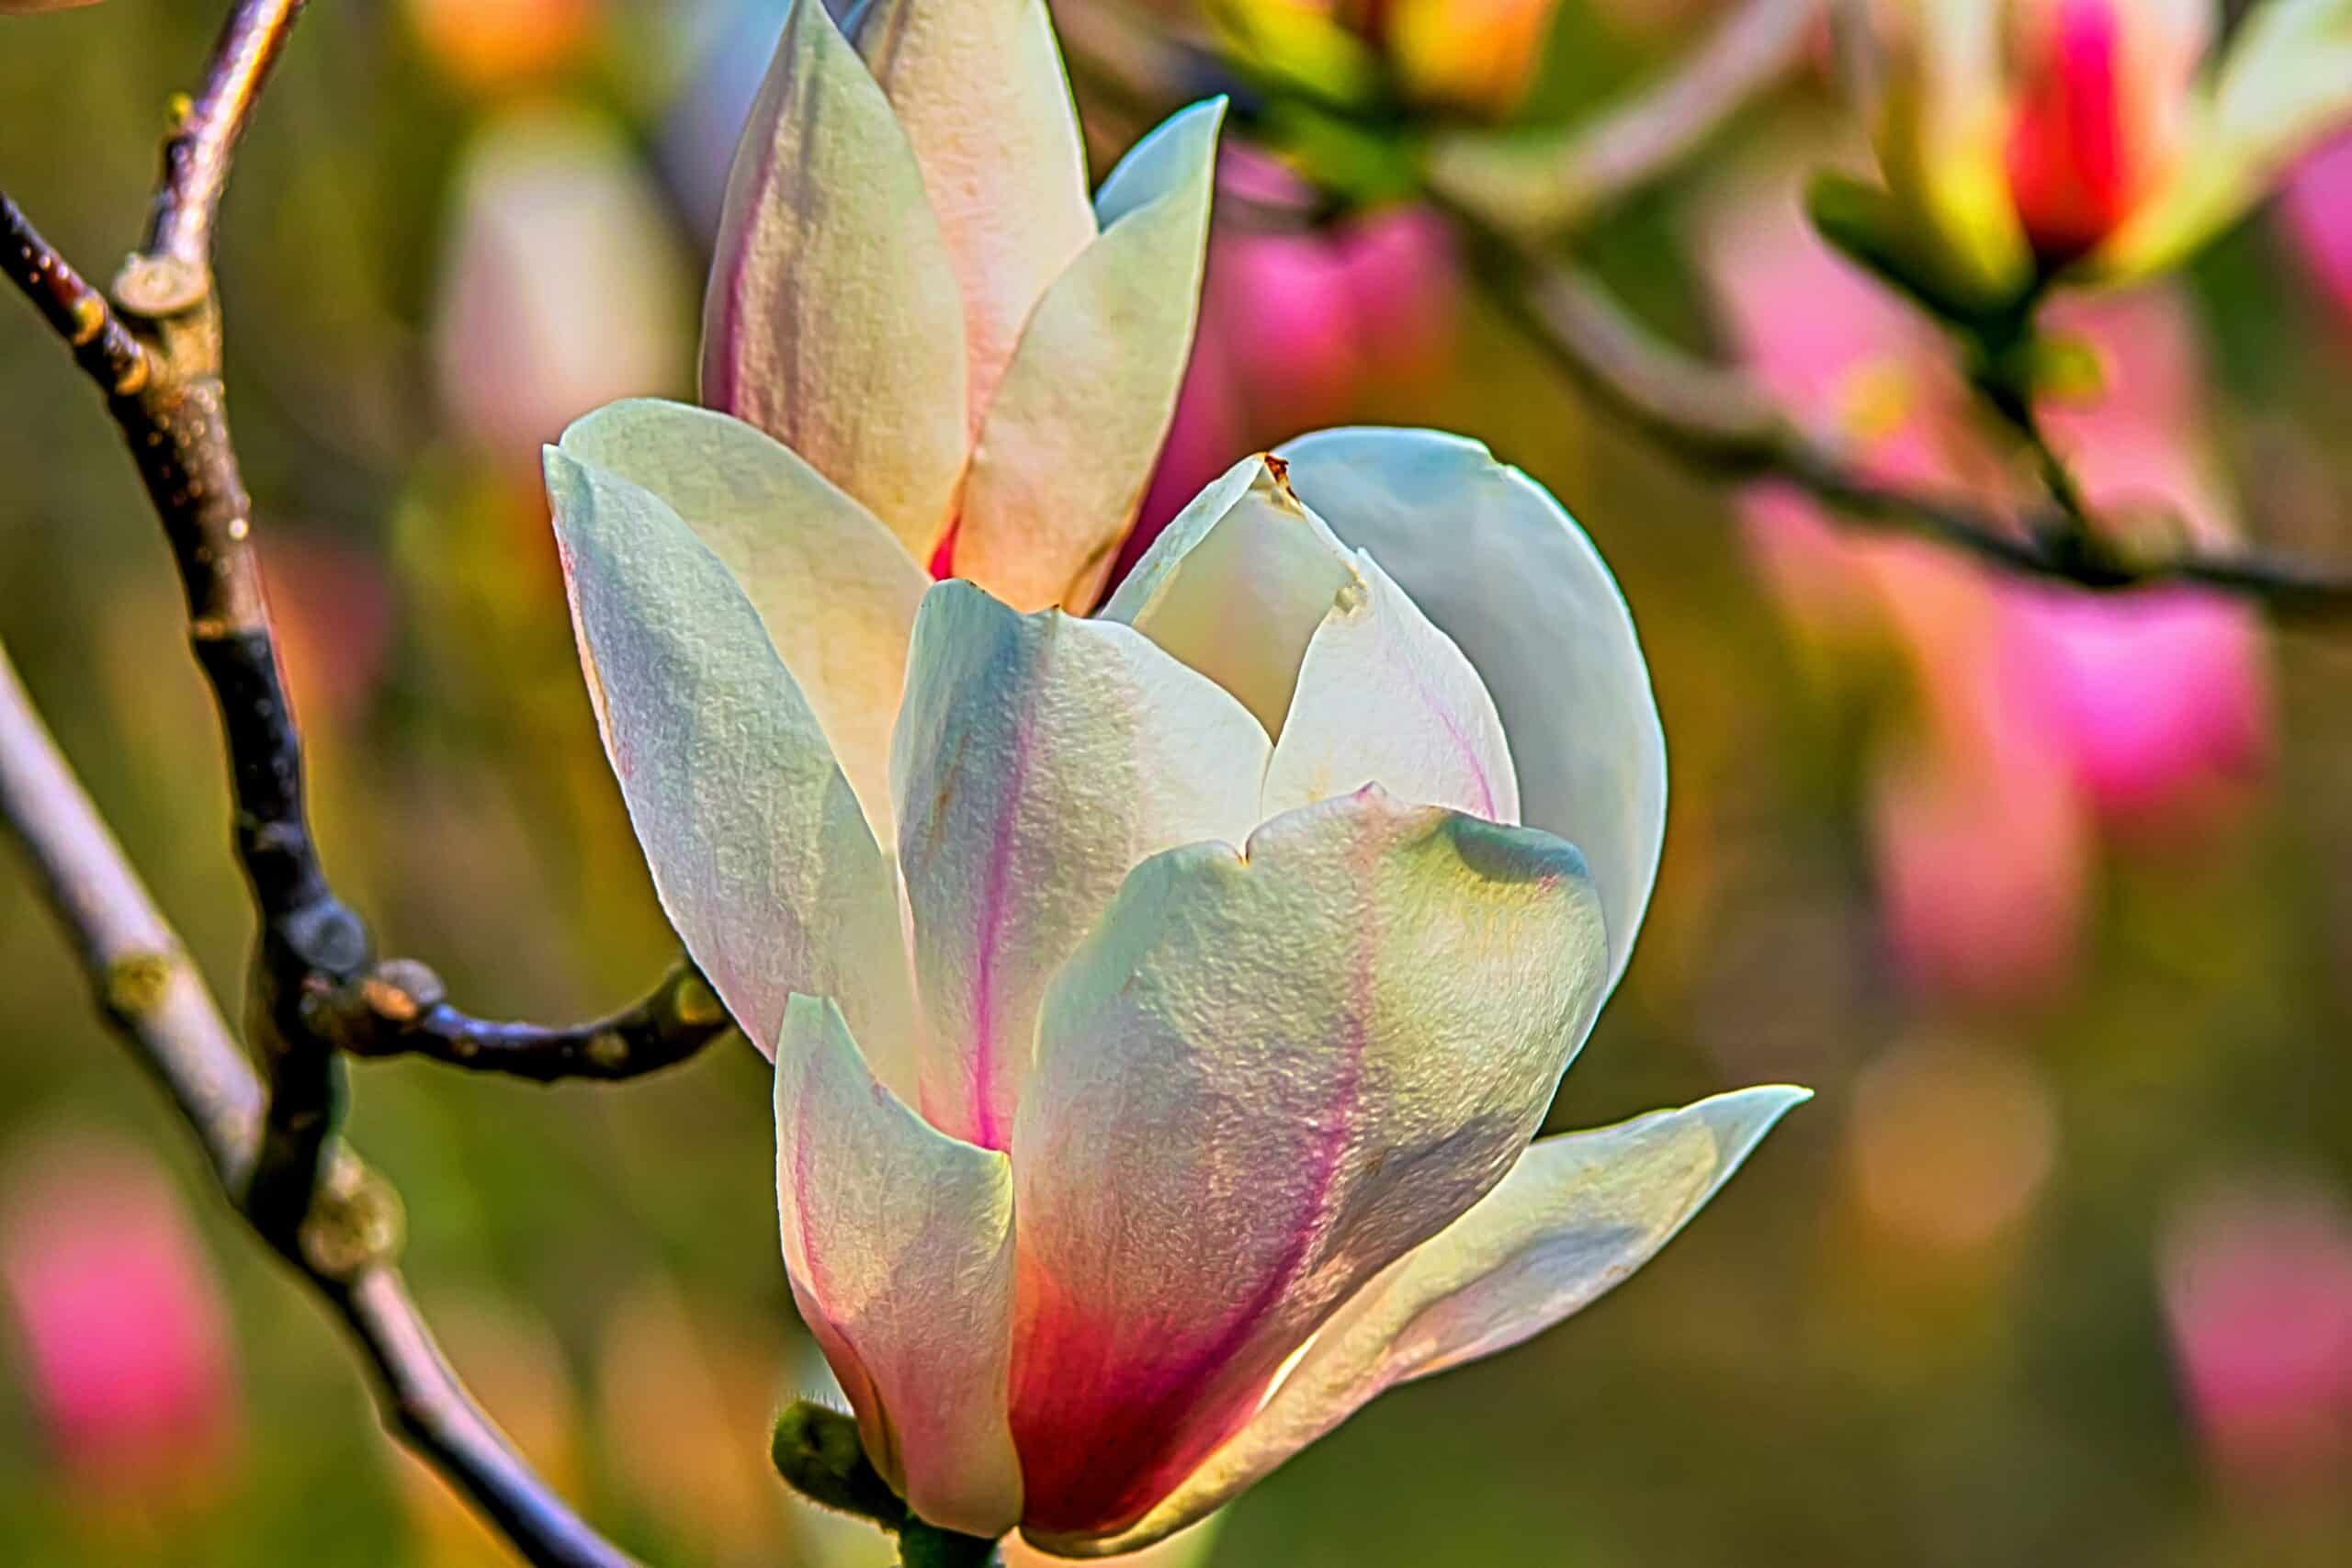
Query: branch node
{"points": [[158, 289]]}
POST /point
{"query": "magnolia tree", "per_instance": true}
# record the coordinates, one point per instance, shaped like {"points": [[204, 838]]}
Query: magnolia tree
{"points": [[1167, 947]]}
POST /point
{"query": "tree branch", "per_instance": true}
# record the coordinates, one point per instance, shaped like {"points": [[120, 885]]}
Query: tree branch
{"points": [[1718, 418], [1539, 184], [347, 1244], [208, 127], [398, 1009]]}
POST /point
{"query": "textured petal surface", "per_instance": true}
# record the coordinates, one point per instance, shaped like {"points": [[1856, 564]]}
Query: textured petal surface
{"points": [[1384, 697], [1039, 759], [1068, 444], [1574, 1218], [1492, 559], [759, 850], [980, 89], [899, 1241], [1237, 586], [835, 591], [833, 321], [1261, 1079]]}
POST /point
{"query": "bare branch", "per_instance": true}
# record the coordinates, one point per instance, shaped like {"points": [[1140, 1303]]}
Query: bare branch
{"points": [[1539, 184], [398, 1009], [347, 1244], [1718, 418], [209, 126], [102, 345]]}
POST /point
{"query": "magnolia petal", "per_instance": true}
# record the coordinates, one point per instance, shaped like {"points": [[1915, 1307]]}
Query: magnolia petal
{"points": [[759, 851], [833, 321], [1488, 555], [1261, 1079], [837, 593], [899, 1242], [1039, 759], [979, 88], [1237, 584], [2285, 85], [1189, 1548], [1068, 444], [1384, 697], [1574, 1218]]}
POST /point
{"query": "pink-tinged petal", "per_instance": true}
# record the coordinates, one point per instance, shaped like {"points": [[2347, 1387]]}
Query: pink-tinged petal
{"points": [[2318, 208], [1261, 1079], [1039, 760], [835, 592], [1068, 445], [1237, 584], [899, 1241], [1384, 697], [1191, 1547], [759, 850], [833, 321], [1575, 1217], [978, 87], [1490, 558]]}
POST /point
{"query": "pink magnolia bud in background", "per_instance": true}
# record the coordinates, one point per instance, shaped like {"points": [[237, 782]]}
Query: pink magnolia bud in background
{"points": [[2100, 112], [2092, 134], [124, 1331]]}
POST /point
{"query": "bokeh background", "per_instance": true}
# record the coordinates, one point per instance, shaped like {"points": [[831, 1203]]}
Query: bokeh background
{"points": [[2051, 898]]}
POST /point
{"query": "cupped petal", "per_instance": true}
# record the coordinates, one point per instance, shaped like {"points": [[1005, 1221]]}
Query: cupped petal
{"points": [[1488, 555], [1574, 1217], [1262, 1078], [980, 89], [1068, 445], [833, 321], [1384, 697], [1237, 584], [899, 1243], [759, 850], [835, 591], [1039, 759]]}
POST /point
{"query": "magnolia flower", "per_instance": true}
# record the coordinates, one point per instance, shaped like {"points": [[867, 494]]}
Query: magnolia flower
{"points": [[1161, 1003], [1474, 55], [1166, 1095], [2017, 134]]}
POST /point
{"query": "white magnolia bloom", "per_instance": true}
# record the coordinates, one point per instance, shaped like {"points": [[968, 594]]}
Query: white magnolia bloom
{"points": [[1162, 1002]]}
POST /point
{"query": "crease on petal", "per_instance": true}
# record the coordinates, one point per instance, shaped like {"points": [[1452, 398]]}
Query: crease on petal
{"points": [[898, 1244], [833, 321], [1068, 445], [978, 87], [1260, 1079], [832, 585], [759, 851], [1238, 585], [1577, 1215], [1384, 697], [1492, 559], [1039, 759]]}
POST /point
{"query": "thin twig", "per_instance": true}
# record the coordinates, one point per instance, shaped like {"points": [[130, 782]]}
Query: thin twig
{"points": [[347, 1246], [1535, 185], [78, 312], [1718, 418], [398, 1009], [208, 127]]}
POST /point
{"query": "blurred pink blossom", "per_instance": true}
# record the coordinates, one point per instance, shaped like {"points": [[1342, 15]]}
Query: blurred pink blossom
{"points": [[2040, 714], [2318, 210], [1295, 325], [124, 1334], [2257, 1290]]}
